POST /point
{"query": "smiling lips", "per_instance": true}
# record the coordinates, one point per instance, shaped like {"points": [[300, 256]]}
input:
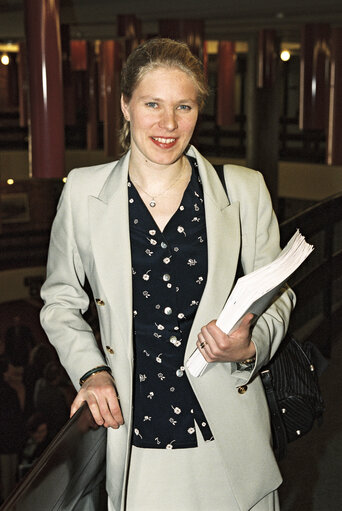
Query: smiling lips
{"points": [[164, 143]]}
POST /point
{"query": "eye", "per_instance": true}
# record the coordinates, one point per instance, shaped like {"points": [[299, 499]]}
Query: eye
{"points": [[152, 104], [184, 107]]}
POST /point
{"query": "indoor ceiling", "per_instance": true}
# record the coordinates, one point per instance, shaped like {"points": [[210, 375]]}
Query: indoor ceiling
{"points": [[229, 19]]}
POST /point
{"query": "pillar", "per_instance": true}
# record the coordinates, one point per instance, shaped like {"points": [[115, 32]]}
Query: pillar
{"points": [[334, 146], [226, 84], [93, 97], [129, 30], [12, 83], [42, 28], [314, 77], [263, 110], [189, 31], [22, 86], [68, 82], [266, 58], [110, 81]]}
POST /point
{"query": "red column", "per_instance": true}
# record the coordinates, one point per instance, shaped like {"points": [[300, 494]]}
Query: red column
{"points": [[12, 83], [189, 31], [129, 28], [334, 145], [110, 71], [93, 93], [68, 81], [267, 55], [314, 77], [46, 89], [22, 86], [225, 115]]}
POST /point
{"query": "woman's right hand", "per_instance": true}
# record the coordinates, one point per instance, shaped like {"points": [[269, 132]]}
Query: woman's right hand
{"points": [[100, 393]]}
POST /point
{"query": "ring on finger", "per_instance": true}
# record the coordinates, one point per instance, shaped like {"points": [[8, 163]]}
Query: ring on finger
{"points": [[203, 343]]}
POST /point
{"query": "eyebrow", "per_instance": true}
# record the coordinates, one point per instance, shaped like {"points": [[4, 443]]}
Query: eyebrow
{"points": [[150, 98]]}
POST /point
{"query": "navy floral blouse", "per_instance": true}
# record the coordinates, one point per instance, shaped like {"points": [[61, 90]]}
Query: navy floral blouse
{"points": [[169, 274]]}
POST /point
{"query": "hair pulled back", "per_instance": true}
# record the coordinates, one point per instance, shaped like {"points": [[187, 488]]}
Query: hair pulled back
{"points": [[159, 52]]}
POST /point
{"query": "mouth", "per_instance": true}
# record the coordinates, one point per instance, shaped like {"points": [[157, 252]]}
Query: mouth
{"points": [[164, 142]]}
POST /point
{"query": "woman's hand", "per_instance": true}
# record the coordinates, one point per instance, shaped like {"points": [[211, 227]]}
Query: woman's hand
{"points": [[100, 393], [216, 346]]}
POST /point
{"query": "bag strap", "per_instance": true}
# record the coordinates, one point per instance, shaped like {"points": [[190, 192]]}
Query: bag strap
{"points": [[220, 172]]}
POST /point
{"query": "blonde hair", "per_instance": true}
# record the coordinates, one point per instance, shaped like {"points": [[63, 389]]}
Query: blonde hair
{"points": [[159, 52]]}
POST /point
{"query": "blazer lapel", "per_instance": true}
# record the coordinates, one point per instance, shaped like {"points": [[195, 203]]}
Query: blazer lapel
{"points": [[109, 231], [109, 228], [223, 238]]}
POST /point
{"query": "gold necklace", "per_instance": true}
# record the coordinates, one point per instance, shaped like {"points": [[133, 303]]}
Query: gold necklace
{"points": [[153, 202]]}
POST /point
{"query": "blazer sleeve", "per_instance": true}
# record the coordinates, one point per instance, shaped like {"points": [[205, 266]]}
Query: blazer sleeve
{"points": [[260, 246], [63, 294]]}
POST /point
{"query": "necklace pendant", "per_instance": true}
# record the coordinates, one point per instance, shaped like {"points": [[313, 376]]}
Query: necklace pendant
{"points": [[152, 203]]}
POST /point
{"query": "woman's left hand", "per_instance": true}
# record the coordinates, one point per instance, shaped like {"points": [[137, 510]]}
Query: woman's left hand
{"points": [[216, 346]]}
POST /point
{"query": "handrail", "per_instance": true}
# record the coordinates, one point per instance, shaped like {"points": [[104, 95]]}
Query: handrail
{"points": [[70, 472], [319, 310]]}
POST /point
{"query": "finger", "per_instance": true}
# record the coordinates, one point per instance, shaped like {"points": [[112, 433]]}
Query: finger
{"points": [[115, 410], [247, 320], [111, 412], [204, 347], [95, 408]]}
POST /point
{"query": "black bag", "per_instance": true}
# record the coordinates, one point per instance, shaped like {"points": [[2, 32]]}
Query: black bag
{"points": [[290, 381]]}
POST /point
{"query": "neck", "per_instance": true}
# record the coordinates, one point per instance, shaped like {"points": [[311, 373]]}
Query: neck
{"points": [[156, 178]]}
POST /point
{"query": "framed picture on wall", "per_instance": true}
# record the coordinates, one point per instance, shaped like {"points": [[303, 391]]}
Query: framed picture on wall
{"points": [[14, 208]]}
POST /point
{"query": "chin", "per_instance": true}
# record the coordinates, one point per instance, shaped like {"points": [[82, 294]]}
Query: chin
{"points": [[167, 157]]}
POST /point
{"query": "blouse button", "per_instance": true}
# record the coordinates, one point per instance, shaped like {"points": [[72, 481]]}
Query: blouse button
{"points": [[163, 244], [110, 350], [168, 311], [166, 277]]}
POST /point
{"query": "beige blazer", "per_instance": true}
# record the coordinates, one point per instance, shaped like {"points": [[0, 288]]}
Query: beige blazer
{"points": [[90, 239]]}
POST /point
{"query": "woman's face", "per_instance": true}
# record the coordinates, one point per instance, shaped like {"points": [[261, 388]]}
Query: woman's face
{"points": [[162, 112]]}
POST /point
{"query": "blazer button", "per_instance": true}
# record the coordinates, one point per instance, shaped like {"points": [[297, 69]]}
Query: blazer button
{"points": [[99, 301], [110, 350], [242, 389]]}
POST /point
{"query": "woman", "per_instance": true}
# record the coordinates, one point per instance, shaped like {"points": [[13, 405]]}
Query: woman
{"points": [[159, 241]]}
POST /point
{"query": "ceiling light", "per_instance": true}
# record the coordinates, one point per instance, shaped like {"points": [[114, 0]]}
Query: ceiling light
{"points": [[285, 55], [5, 59]]}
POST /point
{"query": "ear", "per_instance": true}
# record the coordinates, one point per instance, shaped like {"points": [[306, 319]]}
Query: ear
{"points": [[124, 108]]}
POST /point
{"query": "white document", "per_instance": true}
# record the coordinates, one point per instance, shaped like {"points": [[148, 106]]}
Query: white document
{"points": [[253, 293]]}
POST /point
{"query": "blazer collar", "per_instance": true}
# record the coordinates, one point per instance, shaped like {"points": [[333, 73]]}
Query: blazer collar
{"points": [[116, 181]]}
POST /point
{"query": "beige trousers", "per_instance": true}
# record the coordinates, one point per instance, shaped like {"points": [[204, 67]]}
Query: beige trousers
{"points": [[183, 480]]}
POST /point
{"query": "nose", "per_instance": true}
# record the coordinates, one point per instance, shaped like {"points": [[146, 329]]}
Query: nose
{"points": [[168, 119]]}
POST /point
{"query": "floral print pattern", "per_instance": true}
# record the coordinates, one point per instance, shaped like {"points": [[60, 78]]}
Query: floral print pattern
{"points": [[169, 274]]}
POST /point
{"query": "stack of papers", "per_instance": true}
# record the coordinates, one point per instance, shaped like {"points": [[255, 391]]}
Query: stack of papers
{"points": [[253, 293]]}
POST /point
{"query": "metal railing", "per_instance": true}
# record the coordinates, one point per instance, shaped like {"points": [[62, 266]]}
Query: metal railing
{"points": [[318, 282]]}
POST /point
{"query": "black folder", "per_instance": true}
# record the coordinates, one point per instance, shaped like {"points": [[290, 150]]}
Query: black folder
{"points": [[70, 474]]}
